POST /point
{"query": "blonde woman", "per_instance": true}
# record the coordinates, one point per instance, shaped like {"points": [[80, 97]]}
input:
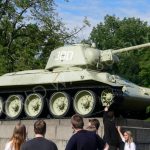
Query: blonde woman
{"points": [[18, 138], [127, 139]]}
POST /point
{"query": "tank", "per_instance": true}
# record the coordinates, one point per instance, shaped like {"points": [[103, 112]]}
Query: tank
{"points": [[73, 81]]}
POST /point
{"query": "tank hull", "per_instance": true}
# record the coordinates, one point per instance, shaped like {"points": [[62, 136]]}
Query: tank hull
{"points": [[41, 77], [126, 95]]}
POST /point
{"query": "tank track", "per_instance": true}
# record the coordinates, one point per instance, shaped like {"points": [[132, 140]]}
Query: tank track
{"points": [[45, 93]]}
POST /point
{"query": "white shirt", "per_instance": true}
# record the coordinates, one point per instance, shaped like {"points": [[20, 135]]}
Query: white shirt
{"points": [[8, 146], [129, 146]]}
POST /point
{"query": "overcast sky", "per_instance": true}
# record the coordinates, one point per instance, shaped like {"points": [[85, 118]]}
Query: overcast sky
{"points": [[74, 11]]}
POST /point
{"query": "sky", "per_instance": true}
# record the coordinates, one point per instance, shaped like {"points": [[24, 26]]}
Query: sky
{"points": [[74, 12]]}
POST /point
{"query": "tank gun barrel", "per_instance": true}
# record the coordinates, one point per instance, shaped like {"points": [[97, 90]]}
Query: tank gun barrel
{"points": [[131, 48]]}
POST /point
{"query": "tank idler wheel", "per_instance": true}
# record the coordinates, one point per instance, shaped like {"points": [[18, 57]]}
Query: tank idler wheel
{"points": [[14, 106], [84, 102], [107, 97], [1, 106], [33, 105], [59, 104]]}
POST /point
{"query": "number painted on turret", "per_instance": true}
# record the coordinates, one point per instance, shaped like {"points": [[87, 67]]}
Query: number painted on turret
{"points": [[64, 55]]}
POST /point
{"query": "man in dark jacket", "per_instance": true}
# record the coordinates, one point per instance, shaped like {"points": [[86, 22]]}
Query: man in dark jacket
{"points": [[111, 135], [83, 139], [39, 142]]}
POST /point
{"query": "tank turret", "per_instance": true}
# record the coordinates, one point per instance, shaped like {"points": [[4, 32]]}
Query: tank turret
{"points": [[73, 81], [84, 56]]}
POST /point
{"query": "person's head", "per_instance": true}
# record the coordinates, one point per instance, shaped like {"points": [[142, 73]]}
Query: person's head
{"points": [[77, 121], [91, 128], [40, 127], [19, 136], [94, 122], [110, 114], [128, 136]]}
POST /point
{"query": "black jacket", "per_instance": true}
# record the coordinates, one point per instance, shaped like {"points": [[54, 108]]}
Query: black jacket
{"points": [[111, 135], [39, 143], [85, 140]]}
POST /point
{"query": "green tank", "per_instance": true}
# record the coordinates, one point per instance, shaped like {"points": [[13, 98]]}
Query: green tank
{"points": [[73, 81]]}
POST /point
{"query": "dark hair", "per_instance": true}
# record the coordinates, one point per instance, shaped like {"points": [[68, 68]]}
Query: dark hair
{"points": [[95, 123], [19, 136], [40, 127], [77, 121], [110, 114]]}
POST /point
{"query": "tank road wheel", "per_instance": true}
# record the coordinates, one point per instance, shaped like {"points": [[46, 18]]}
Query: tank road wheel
{"points": [[59, 104], [107, 97], [14, 106], [33, 105], [1, 106], [84, 102]]}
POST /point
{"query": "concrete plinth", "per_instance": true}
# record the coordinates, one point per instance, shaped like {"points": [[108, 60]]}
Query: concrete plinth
{"points": [[60, 130]]}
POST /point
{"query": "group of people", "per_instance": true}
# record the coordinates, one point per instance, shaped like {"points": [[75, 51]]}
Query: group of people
{"points": [[82, 139], [18, 140]]}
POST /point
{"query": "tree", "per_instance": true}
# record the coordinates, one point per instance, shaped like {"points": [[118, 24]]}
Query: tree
{"points": [[29, 30], [115, 33]]}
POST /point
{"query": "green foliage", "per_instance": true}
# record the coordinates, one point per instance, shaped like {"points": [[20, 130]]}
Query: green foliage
{"points": [[115, 33], [29, 30]]}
